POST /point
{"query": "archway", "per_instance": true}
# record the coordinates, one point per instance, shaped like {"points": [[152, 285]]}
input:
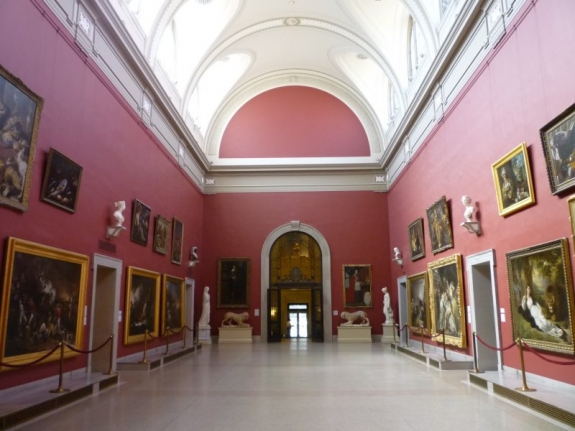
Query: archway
{"points": [[325, 269]]}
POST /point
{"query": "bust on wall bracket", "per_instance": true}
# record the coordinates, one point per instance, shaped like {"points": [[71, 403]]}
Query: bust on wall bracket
{"points": [[114, 231], [469, 224]]}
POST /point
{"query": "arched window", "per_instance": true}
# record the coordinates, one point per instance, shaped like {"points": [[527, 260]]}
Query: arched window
{"points": [[443, 6], [393, 103], [417, 48]]}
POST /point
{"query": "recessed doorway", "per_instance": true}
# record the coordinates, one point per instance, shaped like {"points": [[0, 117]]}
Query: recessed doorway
{"points": [[297, 326]]}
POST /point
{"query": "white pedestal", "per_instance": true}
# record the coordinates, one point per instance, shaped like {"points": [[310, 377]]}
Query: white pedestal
{"points": [[205, 335], [388, 329], [235, 334], [354, 334]]}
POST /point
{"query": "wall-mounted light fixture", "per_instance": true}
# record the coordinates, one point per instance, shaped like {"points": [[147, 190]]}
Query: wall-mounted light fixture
{"points": [[114, 231]]}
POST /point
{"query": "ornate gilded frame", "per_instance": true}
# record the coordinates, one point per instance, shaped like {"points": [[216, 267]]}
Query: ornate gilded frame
{"points": [[142, 304], [439, 226], [173, 303], [418, 302], [354, 277]]}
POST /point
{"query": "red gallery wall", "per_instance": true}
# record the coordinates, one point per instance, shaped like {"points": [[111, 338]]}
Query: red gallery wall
{"points": [[85, 119], [354, 225], [522, 85]]}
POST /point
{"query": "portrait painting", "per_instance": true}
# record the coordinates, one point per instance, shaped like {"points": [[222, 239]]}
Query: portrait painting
{"points": [[416, 240], [357, 286], [173, 291], [142, 305], [140, 222], [418, 300], [177, 240], [571, 205], [558, 142], [42, 301], [20, 112], [439, 226], [513, 184], [446, 300], [161, 234], [233, 283], [541, 296], [61, 181]]}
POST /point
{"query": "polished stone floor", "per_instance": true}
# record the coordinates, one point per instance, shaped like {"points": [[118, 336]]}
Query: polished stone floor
{"points": [[296, 386]]}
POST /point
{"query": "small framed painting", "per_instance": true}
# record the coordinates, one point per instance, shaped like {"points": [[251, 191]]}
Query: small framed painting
{"points": [[161, 234], [173, 303], [177, 240], [61, 181], [439, 225], [140, 223], [416, 240]]}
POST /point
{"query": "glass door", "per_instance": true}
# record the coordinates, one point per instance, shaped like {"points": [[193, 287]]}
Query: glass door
{"points": [[298, 323]]}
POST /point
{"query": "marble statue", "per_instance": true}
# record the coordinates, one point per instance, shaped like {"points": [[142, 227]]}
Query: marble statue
{"points": [[387, 310], [469, 209], [235, 319], [352, 317], [121, 205], [205, 317]]}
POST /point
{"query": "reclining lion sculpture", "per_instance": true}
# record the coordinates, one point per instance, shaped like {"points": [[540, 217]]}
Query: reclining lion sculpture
{"points": [[352, 317], [235, 319]]}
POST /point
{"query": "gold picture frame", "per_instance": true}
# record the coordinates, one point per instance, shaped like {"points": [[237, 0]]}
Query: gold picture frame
{"points": [[161, 235], [173, 303], [513, 181], [439, 226], [233, 283], [357, 286], [142, 304], [446, 300], [42, 302], [177, 240], [418, 302], [571, 205], [416, 239]]}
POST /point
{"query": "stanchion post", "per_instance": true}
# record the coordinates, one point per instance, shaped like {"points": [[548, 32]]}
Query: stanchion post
{"points": [[111, 368], [167, 352], [422, 345], [407, 330], [184, 329], [145, 358], [475, 361], [394, 327], [523, 388], [444, 348], [61, 377]]}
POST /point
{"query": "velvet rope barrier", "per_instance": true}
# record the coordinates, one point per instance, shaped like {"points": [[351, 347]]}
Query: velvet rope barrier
{"points": [[400, 330], [546, 359], [34, 362], [86, 352], [499, 349]]}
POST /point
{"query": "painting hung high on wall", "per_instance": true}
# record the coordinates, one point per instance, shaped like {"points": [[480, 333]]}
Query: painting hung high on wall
{"points": [[439, 226], [19, 119], [357, 286], [416, 240], [140, 223], [571, 204], [558, 139], [233, 283], [446, 299], [161, 234], [417, 297], [173, 291], [541, 296], [42, 302], [512, 177], [61, 181], [177, 240], [142, 305]]}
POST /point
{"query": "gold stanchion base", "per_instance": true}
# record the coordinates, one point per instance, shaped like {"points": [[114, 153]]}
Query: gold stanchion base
{"points": [[525, 389], [110, 373], [144, 361], [59, 391], [445, 360], [477, 371]]}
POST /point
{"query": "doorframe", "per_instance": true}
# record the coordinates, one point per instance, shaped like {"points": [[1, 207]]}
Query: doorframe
{"points": [[117, 265], [325, 269], [190, 288], [487, 256], [402, 302]]}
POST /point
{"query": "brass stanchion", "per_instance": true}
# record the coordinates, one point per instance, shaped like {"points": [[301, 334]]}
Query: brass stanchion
{"points": [[394, 327], [145, 359], [61, 377], [475, 362], [184, 329], [406, 329], [444, 349], [524, 388], [167, 341], [111, 371], [422, 344]]}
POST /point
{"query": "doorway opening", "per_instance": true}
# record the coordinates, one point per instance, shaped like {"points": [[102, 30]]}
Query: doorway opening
{"points": [[402, 301], [297, 325]]}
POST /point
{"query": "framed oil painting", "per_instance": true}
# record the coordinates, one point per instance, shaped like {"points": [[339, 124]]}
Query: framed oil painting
{"points": [[142, 305], [416, 240], [173, 291], [513, 184], [357, 286], [42, 302], [571, 204], [177, 240], [541, 296], [439, 225], [418, 299], [446, 300], [558, 142], [19, 119], [233, 283], [140, 222], [61, 183], [161, 234]]}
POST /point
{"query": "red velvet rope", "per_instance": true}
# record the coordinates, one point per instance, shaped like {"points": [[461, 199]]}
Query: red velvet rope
{"points": [[544, 358], [33, 362], [438, 334], [402, 328], [178, 331], [85, 352], [499, 349], [148, 334]]}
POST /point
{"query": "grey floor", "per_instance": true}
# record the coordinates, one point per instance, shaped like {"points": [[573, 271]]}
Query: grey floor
{"points": [[293, 386]]}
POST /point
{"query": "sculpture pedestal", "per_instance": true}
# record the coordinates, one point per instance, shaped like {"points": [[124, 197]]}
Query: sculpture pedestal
{"points": [[234, 334], [387, 337], [354, 334], [205, 334]]}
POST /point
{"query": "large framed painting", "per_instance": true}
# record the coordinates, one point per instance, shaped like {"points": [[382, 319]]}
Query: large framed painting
{"points": [[439, 225], [446, 300], [233, 283], [161, 234], [558, 142], [42, 301], [541, 296], [61, 183], [416, 240], [571, 204], [20, 112], [140, 222], [142, 304], [177, 240], [173, 291], [513, 184], [418, 300], [357, 286]]}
